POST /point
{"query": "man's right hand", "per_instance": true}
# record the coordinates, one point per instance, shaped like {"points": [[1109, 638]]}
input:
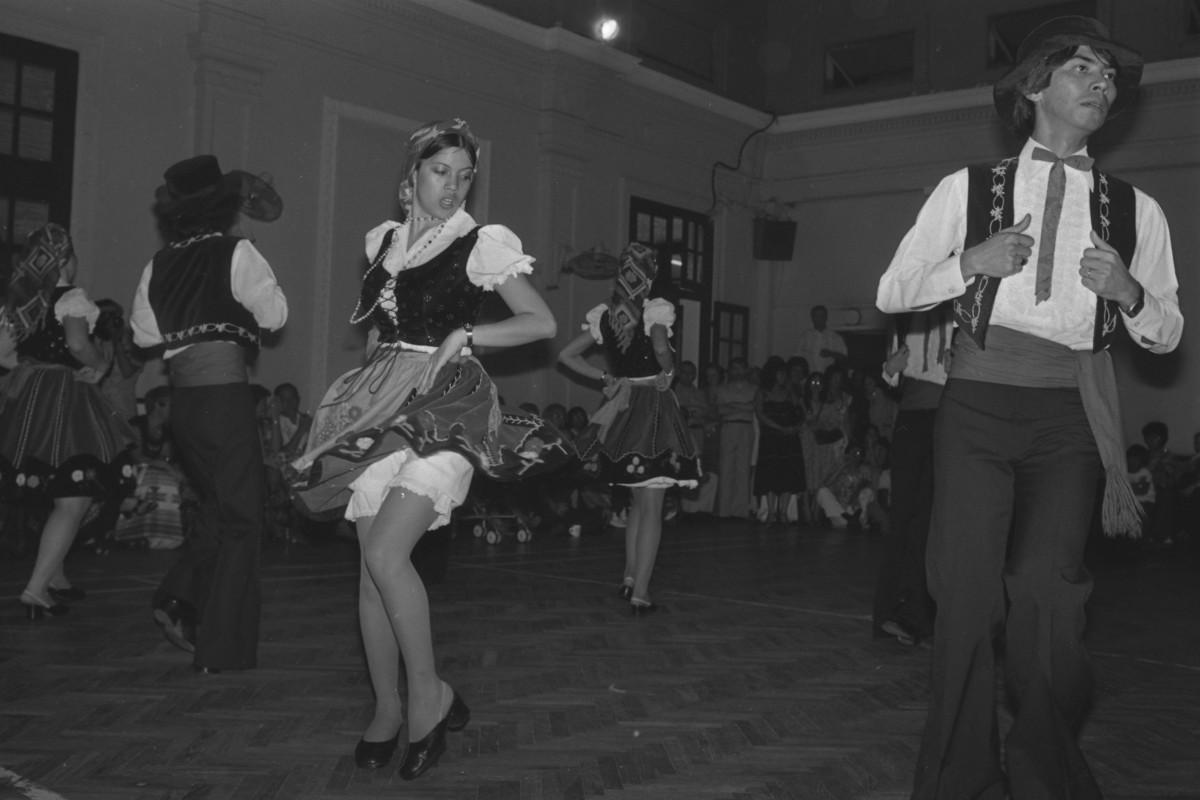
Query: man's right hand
{"points": [[1004, 254]]}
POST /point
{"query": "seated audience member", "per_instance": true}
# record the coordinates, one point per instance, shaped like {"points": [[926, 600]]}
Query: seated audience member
{"points": [[293, 423], [158, 515], [1165, 466], [556, 415], [846, 496], [1189, 492], [577, 421], [1137, 460], [529, 407], [114, 339]]}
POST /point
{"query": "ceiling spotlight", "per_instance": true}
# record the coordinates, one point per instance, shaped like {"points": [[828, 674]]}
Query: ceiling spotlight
{"points": [[607, 29]]}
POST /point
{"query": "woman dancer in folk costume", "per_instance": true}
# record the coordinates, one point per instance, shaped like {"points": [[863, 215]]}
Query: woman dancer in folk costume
{"points": [[397, 441], [60, 440], [639, 438]]}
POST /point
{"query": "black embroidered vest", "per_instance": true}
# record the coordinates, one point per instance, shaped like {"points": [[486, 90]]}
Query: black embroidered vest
{"points": [[990, 210], [639, 361], [430, 300], [48, 343], [192, 298]]}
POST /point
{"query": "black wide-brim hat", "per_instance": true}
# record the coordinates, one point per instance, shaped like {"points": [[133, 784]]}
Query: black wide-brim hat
{"points": [[1059, 34], [195, 185]]}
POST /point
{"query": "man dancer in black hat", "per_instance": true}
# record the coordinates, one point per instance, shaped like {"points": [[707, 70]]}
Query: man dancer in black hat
{"points": [[205, 297], [1046, 255]]}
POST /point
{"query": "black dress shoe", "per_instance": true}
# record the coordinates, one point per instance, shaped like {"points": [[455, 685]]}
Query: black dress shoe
{"points": [[206, 670], [177, 620], [422, 755], [642, 608], [35, 609], [373, 755], [69, 593]]}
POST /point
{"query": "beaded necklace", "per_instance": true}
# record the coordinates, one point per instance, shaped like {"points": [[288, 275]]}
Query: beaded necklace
{"points": [[389, 287]]}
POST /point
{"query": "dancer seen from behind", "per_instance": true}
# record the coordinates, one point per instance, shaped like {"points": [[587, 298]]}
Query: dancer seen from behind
{"points": [[394, 445], [640, 436], [205, 298], [61, 443], [1044, 257]]}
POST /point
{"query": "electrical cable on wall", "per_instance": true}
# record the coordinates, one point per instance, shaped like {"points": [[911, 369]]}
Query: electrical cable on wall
{"points": [[738, 165]]}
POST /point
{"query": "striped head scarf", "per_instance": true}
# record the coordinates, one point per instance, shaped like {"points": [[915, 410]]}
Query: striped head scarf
{"points": [[635, 277], [47, 251]]}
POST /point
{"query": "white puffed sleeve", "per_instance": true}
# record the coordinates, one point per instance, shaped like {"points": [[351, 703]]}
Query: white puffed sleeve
{"points": [[75, 303], [657, 311], [496, 257], [592, 325]]}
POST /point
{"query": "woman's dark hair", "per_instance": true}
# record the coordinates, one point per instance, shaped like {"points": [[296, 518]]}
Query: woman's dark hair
{"points": [[1038, 78], [448, 140], [766, 377]]}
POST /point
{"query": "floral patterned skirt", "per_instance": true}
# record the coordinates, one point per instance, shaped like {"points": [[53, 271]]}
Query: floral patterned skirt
{"points": [[372, 412], [647, 444], [59, 437]]}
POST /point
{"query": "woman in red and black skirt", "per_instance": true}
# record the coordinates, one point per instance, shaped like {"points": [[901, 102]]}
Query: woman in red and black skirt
{"points": [[639, 438], [60, 441]]}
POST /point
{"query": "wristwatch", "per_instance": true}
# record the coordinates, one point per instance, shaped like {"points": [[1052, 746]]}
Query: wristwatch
{"points": [[1138, 304]]}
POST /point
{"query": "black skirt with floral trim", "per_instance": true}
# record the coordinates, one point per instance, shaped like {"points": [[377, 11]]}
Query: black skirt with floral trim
{"points": [[59, 437], [647, 444]]}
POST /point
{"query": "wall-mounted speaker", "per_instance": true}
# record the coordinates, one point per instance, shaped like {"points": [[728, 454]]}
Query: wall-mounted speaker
{"points": [[774, 239]]}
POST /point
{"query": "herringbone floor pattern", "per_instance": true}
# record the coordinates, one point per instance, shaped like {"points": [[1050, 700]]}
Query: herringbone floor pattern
{"points": [[759, 679]]}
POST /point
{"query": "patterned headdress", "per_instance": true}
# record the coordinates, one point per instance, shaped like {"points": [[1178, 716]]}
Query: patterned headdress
{"points": [[48, 249], [421, 138], [635, 276]]}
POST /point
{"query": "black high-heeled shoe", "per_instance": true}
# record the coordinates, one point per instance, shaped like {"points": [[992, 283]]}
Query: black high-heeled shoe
{"points": [[422, 755], [626, 591], [35, 609], [373, 755], [640, 608], [70, 593]]}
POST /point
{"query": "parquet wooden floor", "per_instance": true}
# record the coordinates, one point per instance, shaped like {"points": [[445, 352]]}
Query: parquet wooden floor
{"points": [[758, 680]]}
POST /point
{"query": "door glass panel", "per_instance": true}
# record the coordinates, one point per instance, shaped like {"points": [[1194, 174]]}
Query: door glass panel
{"points": [[37, 138], [30, 215], [37, 88], [6, 132], [8, 81]]}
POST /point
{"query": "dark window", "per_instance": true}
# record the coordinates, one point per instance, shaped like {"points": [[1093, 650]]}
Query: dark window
{"points": [[38, 85], [677, 41], [870, 62], [682, 242], [731, 333], [1192, 25], [1007, 31]]}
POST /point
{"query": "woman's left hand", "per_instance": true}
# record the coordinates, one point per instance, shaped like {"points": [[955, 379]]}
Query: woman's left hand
{"points": [[447, 351], [662, 381]]}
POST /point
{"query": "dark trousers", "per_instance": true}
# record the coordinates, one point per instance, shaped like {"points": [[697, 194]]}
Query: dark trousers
{"points": [[216, 433], [901, 593], [1015, 476]]}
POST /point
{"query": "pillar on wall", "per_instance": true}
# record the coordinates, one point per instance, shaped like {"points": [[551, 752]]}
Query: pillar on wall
{"points": [[232, 60]]}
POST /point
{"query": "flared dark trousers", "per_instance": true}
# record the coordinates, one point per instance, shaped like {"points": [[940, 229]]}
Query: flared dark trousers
{"points": [[1015, 477], [216, 435]]}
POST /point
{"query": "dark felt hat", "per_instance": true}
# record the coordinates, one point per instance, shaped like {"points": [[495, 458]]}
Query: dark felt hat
{"points": [[1059, 34], [197, 184]]}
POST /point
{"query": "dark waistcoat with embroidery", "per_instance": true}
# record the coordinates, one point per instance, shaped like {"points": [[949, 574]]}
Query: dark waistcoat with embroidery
{"points": [[192, 298], [48, 343], [990, 210], [422, 304]]}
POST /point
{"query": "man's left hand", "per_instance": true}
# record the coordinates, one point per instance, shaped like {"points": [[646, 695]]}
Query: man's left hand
{"points": [[1104, 273]]}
